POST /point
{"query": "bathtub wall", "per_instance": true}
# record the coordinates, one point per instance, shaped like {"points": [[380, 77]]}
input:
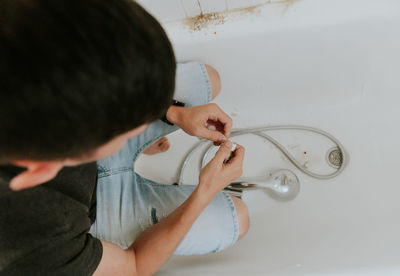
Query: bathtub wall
{"points": [[173, 10]]}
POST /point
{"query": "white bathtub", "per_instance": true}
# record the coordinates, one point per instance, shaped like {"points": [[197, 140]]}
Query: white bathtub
{"points": [[331, 64]]}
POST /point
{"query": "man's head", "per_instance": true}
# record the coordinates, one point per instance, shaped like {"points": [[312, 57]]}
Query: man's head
{"points": [[78, 78]]}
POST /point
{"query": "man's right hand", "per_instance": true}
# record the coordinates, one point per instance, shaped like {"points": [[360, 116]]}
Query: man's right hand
{"points": [[217, 174]]}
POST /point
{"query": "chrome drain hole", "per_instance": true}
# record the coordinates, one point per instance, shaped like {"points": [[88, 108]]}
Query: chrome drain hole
{"points": [[334, 157]]}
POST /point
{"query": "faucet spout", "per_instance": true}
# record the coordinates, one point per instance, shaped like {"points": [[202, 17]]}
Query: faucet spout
{"points": [[282, 185]]}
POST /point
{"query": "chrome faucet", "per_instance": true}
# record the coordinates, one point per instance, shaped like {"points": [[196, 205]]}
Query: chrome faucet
{"points": [[282, 185]]}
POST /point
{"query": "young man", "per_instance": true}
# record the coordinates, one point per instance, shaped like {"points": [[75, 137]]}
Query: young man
{"points": [[84, 81]]}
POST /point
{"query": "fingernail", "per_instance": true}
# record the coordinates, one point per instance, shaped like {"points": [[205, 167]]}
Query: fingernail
{"points": [[234, 147], [229, 144]]}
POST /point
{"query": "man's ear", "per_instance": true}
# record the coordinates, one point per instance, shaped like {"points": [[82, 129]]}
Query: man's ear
{"points": [[37, 172]]}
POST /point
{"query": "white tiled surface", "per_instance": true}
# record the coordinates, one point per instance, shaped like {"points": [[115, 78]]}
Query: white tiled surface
{"points": [[172, 10]]}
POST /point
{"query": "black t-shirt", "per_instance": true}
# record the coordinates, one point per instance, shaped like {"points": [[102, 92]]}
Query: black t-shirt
{"points": [[44, 230]]}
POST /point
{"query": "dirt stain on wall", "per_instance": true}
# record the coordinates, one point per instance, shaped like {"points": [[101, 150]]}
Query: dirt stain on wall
{"points": [[213, 19], [204, 20]]}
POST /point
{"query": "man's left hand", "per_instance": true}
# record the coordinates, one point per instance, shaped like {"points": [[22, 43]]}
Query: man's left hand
{"points": [[204, 121]]}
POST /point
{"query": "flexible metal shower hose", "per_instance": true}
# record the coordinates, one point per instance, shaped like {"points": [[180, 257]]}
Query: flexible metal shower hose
{"points": [[259, 131]]}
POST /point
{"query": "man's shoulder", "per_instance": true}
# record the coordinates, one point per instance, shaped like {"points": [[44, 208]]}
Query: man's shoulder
{"points": [[38, 211]]}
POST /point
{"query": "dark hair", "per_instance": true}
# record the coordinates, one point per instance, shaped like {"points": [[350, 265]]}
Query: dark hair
{"points": [[76, 73]]}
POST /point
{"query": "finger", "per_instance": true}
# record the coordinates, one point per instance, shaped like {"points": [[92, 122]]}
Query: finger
{"points": [[224, 152], [218, 126], [212, 135], [238, 156], [221, 116], [228, 127]]}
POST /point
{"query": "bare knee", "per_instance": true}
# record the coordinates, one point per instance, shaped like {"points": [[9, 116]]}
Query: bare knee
{"points": [[243, 216], [215, 80]]}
